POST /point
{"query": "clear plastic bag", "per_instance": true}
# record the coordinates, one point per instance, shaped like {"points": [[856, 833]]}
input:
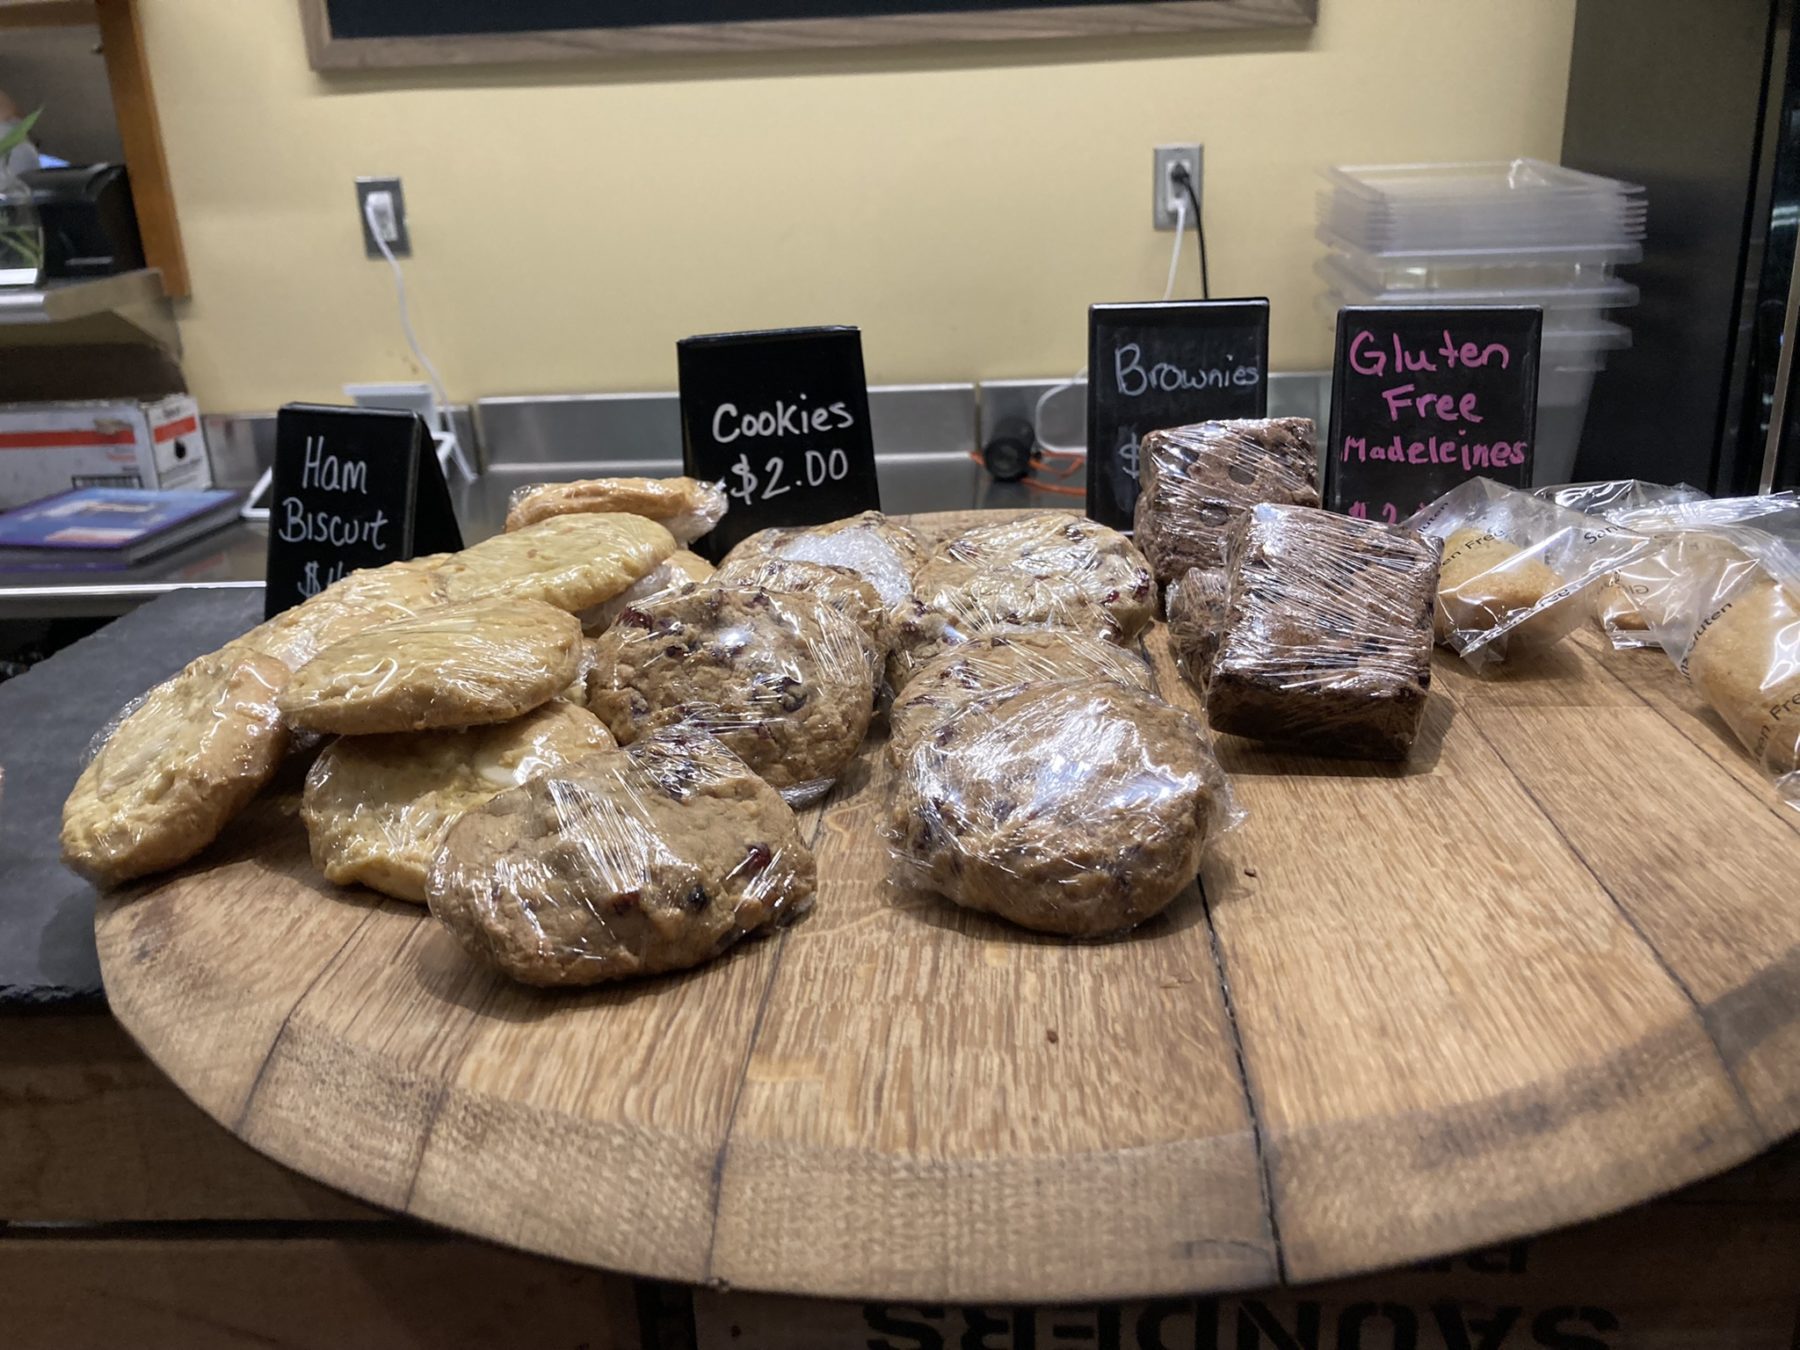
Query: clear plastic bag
{"points": [[1081, 807], [686, 507], [1055, 547], [942, 687], [783, 680], [1195, 482], [879, 548], [1732, 625], [622, 863], [1515, 567], [1684, 534], [1327, 638], [1612, 496]]}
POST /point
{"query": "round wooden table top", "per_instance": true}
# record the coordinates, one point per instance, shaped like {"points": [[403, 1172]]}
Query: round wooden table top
{"points": [[1545, 970]]}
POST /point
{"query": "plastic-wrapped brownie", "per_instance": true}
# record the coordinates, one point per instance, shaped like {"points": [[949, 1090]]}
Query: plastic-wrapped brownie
{"points": [[1196, 481], [1196, 608], [1327, 638], [1080, 807]]}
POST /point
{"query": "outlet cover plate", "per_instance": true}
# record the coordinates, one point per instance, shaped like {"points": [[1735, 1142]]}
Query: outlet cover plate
{"points": [[402, 246], [1163, 212]]}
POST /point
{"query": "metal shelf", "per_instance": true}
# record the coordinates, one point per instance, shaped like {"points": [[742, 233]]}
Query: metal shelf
{"points": [[137, 297]]}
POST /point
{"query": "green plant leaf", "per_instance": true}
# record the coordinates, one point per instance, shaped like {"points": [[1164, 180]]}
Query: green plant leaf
{"points": [[21, 129]]}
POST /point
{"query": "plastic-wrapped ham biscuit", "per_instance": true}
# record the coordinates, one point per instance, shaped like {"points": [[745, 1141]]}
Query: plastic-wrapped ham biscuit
{"points": [[1327, 637], [1195, 482], [1515, 567], [622, 863], [1080, 808]]}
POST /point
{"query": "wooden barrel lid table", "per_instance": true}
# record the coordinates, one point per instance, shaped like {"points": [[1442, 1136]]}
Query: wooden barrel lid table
{"points": [[1546, 970]]}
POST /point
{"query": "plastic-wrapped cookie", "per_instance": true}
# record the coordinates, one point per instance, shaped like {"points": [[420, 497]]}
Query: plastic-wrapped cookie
{"points": [[784, 681], [455, 666], [377, 808], [1053, 546], [941, 688], [965, 602], [1487, 582], [573, 561], [365, 599], [879, 548], [176, 768], [1076, 808], [626, 862], [686, 507], [676, 572], [847, 591]]}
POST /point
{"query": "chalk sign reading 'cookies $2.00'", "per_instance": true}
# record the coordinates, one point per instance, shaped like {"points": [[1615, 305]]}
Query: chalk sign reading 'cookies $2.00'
{"points": [[1425, 398], [1151, 367], [352, 487], [782, 419]]}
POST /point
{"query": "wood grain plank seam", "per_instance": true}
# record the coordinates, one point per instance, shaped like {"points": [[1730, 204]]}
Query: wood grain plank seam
{"points": [[1265, 1180], [1699, 1009], [1766, 799], [325, 968]]}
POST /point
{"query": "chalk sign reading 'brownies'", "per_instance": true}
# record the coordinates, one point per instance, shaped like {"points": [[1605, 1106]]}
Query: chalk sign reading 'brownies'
{"points": [[1425, 398], [352, 487], [782, 419], [1156, 366]]}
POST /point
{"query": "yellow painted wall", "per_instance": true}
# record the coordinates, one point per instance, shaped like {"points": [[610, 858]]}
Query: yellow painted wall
{"points": [[962, 204]]}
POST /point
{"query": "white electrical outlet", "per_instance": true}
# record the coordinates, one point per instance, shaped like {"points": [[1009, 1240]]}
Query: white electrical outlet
{"points": [[1167, 192], [383, 199]]}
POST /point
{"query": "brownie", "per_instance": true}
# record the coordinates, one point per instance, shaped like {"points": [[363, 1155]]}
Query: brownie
{"points": [[1196, 481], [1195, 604], [1327, 636]]}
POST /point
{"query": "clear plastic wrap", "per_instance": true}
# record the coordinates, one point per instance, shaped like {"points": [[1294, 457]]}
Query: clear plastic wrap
{"points": [[881, 549], [978, 603], [1612, 496], [623, 863], [1326, 644], [377, 808], [1195, 605], [1056, 547], [1732, 625], [847, 591], [455, 666], [573, 561], [940, 689], [1195, 481], [1080, 808], [783, 680], [1515, 567], [367, 598], [686, 507], [676, 572], [175, 766]]}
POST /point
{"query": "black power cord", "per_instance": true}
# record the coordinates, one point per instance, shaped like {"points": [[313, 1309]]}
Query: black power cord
{"points": [[1185, 181]]}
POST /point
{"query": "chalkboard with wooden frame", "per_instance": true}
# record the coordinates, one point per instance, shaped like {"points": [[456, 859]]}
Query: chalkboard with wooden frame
{"points": [[365, 34]]}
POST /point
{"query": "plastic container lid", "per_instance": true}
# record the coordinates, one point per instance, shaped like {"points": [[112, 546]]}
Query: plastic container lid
{"points": [[1369, 260], [1515, 178], [1589, 293]]}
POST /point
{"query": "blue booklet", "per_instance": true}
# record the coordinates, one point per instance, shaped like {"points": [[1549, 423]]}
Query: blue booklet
{"points": [[108, 527]]}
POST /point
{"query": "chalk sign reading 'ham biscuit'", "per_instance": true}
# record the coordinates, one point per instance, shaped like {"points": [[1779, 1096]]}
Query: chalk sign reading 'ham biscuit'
{"points": [[782, 419], [1426, 398], [352, 487], [1151, 367]]}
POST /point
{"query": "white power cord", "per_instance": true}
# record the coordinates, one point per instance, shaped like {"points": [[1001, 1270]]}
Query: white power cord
{"points": [[440, 401], [1175, 255]]}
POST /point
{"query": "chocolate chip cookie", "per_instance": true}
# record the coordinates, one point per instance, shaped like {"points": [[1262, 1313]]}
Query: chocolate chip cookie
{"points": [[783, 680], [1077, 808], [1053, 546], [626, 862], [845, 590]]}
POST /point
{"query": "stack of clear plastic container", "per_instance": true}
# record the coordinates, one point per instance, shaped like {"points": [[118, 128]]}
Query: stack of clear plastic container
{"points": [[1518, 232]]}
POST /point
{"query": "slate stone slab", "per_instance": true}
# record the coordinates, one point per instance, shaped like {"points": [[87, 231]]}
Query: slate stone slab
{"points": [[48, 715]]}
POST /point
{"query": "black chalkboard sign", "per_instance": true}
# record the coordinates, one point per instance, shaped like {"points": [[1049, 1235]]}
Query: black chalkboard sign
{"points": [[353, 487], [1151, 367], [782, 419], [1425, 398]]}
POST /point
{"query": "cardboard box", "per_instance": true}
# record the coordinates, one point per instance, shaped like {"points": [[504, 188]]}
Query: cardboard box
{"points": [[47, 448]]}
